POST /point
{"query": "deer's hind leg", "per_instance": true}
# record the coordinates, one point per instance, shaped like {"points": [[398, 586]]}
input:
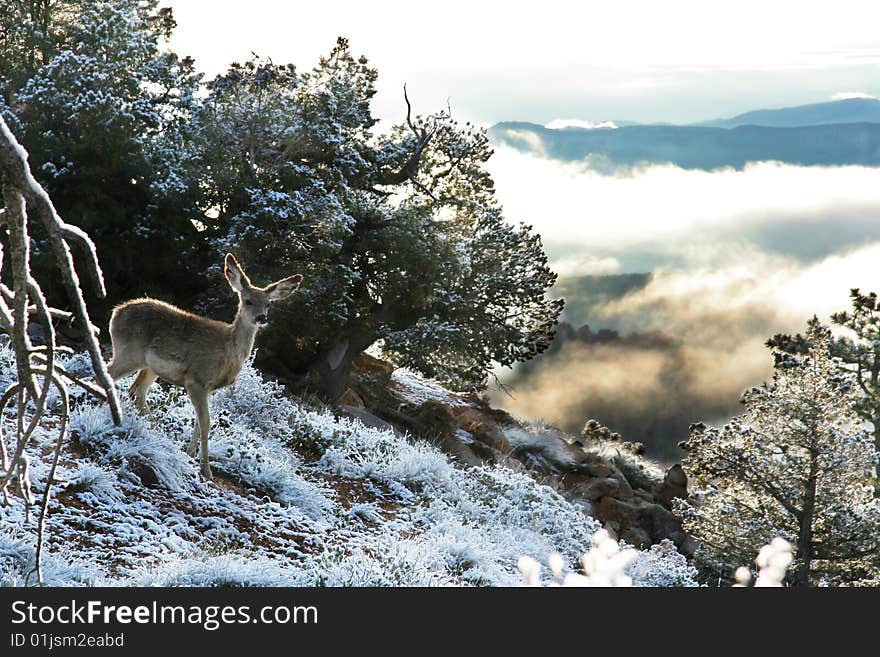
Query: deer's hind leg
{"points": [[138, 390]]}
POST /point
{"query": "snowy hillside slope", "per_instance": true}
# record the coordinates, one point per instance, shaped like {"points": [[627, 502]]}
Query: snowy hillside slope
{"points": [[300, 498]]}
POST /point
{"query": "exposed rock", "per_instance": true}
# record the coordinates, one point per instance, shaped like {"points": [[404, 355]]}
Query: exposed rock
{"points": [[625, 491], [637, 537], [599, 488], [467, 428], [492, 436], [351, 398], [597, 468], [433, 418], [676, 476], [461, 451], [674, 485], [642, 494], [482, 426], [480, 404], [375, 368], [657, 522]]}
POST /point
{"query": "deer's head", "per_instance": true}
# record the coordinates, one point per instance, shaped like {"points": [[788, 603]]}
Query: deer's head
{"points": [[253, 302]]}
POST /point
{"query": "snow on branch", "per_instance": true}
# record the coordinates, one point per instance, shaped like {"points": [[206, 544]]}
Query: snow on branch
{"points": [[36, 366], [17, 176]]}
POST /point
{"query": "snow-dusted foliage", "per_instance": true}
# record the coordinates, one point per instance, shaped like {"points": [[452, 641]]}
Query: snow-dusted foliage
{"points": [[662, 565], [798, 465], [106, 116], [301, 498], [134, 448], [95, 479], [399, 235], [17, 558]]}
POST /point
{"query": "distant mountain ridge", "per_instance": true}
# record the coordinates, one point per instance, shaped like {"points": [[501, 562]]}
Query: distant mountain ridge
{"points": [[848, 133], [848, 110], [693, 147]]}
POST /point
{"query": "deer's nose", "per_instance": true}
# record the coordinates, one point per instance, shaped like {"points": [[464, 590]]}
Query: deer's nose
{"points": [[262, 319]]}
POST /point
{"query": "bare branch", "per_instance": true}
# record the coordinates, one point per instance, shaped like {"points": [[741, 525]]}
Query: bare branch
{"points": [[91, 388], [26, 299], [44, 508], [22, 187], [423, 138]]}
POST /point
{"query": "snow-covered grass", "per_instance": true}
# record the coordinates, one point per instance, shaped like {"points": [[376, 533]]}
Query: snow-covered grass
{"points": [[17, 557], [301, 498], [135, 449]]}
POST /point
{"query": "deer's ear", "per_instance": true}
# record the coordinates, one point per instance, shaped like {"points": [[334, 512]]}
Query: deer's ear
{"points": [[284, 288], [234, 273]]}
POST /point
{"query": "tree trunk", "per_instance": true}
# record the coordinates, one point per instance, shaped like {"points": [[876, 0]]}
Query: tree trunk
{"points": [[805, 535], [331, 371]]}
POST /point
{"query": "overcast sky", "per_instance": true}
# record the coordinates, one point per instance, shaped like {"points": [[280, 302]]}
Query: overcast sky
{"points": [[677, 60]]}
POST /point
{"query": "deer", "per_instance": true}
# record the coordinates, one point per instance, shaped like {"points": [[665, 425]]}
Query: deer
{"points": [[161, 341]]}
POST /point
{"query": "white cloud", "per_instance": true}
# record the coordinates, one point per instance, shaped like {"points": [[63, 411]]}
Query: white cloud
{"points": [[846, 95], [741, 254], [673, 211], [559, 124]]}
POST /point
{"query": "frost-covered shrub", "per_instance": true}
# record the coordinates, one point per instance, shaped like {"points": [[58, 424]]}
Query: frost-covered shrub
{"points": [[134, 448], [465, 552], [471, 523], [365, 453], [7, 364], [395, 566], [366, 512], [262, 405], [251, 422], [514, 500], [639, 471], [540, 446], [411, 519], [269, 467], [609, 563], [215, 570], [17, 558], [79, 365], [662, 565], [97, 480]]}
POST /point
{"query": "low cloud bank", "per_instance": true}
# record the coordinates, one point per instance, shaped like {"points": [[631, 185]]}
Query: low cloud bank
{"points": [[734, 258], [664, 214]]}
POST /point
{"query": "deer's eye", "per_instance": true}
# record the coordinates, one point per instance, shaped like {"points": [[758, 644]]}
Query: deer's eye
{"points": [[248, 303]]}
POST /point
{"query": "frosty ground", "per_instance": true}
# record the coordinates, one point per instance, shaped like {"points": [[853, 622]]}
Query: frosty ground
{"points": [[300, 498]]}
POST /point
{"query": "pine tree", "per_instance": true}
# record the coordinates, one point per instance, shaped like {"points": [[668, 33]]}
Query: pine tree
{"points": [[858, 351], [104, 112], [399, 236], [798, 464]]}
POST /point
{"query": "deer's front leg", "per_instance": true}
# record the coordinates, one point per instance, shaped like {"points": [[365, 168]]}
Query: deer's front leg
{"points": [[194, 441], [199, 398]]}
